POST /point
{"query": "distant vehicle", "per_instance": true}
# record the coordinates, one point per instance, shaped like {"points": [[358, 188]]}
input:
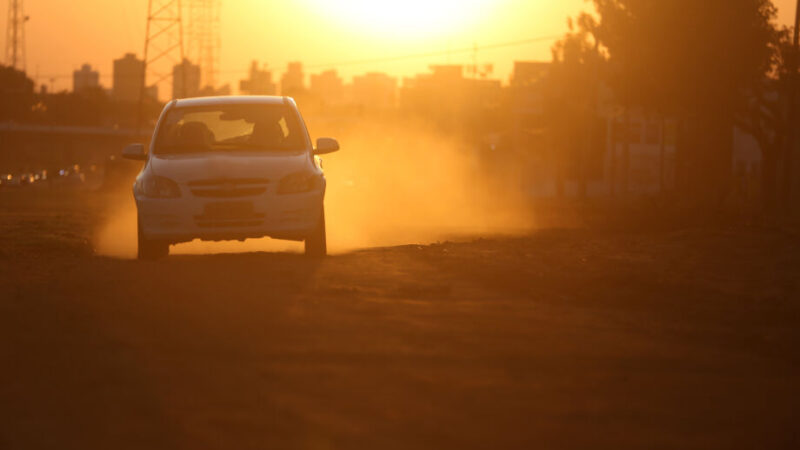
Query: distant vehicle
{"points": [[27, 179], [71, 177], [230, 168], [14, 181], [74, 178]]}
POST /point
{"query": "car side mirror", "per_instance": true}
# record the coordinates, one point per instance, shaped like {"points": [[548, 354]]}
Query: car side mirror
{"points": [[326, 145], [135, 152]]}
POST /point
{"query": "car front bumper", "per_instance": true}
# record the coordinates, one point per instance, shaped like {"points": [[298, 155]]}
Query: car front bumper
{"points": [[291, 217]]}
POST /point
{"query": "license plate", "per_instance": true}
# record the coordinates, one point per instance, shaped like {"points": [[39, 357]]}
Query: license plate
{"points": [[229, 210]]}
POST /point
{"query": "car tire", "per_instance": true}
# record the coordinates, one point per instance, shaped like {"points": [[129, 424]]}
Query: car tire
{"points": [[317, 243], [150, 249]]}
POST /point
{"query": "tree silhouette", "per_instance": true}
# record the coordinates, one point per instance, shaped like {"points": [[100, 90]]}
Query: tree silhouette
{"points": [[18, 97], [571, 93], [696, 61], [767, 119]]}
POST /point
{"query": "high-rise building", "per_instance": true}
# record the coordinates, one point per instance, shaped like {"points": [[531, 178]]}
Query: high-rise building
{"points": [[85, 79], [293, 81], [259, 82], [327, 87], [375, 91], [185, 80], [128, 78]]}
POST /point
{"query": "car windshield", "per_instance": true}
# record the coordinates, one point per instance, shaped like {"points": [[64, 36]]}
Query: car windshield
{"points": [[221, 128]]}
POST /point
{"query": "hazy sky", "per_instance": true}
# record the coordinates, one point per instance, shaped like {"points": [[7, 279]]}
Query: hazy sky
{"points": [[63, 34]]}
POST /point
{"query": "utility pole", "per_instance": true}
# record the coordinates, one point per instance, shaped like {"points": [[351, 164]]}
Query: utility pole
{"points": [[163, 47], [791, 142], [203, 37], [15, 35]]}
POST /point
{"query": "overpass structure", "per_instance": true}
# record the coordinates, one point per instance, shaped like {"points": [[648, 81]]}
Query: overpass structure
{"points": [[30, 147]]}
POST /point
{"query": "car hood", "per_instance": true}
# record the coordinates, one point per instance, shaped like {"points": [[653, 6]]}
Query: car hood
{"points": [[186, 168]]}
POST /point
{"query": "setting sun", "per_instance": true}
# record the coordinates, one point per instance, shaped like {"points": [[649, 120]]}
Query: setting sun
{"points": [[403, 19]]}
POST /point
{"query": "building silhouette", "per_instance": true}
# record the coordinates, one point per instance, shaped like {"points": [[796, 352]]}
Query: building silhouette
{"points": [[210, 91], [375, 91], [259, 82], [439, 93], [293, 81], [85, 79], [185, 80], [446, 92], [527, 73], [128, 78], [328, 87]]}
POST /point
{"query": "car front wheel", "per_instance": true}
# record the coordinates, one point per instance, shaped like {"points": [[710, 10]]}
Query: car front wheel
{"points": [[151, 249], [316, 242]]}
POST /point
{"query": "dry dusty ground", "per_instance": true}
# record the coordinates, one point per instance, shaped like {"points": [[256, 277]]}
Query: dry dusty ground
{"points": [[562, 339]]}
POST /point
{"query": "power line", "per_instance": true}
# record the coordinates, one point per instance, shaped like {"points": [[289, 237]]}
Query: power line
{"points": [[464, 50], [437, 53]]}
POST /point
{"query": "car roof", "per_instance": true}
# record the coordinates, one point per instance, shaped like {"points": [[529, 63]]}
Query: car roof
{"points": [[233, 100]]}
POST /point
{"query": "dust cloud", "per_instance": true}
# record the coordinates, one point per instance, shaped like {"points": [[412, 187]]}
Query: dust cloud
{"points": [[116, 237], [404, 183], [391, 184]]}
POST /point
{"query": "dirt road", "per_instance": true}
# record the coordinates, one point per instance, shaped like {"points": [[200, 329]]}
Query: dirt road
{"points": [[561, 339]]}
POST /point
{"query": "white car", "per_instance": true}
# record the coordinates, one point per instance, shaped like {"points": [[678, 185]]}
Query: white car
{"points": [[230, 168]]}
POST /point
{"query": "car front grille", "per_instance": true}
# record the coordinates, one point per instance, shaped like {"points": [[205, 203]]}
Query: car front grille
{"points": [[229, 187]]}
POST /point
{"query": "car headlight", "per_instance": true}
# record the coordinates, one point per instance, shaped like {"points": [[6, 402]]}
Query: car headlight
{"points": [[158, 187], [298, 183]]}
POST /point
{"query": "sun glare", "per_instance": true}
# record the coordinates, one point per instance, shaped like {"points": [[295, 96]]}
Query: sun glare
{"points": [[404, 18]]}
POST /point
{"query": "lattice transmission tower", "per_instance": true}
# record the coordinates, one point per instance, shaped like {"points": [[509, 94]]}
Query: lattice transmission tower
{"points": [[203, 39], [15, 35], [163, 48]]}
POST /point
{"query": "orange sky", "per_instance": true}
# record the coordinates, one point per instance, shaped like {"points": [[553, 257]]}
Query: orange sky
{"points": [[63, 34]]}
